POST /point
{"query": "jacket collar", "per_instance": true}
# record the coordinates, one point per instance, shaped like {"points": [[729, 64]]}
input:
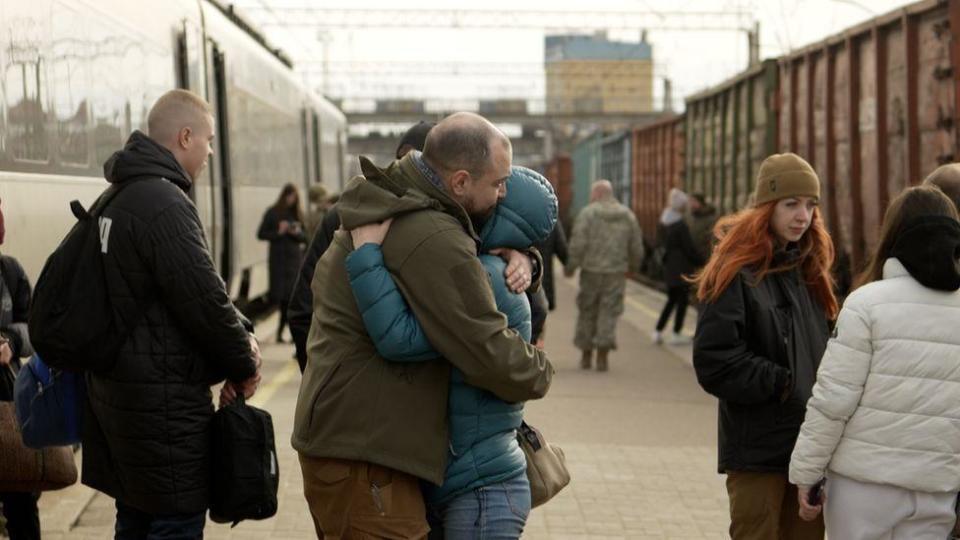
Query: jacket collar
{"points": [[893, 268]]}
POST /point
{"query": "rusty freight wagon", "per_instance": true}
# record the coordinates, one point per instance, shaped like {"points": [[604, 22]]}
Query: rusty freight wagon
{"points": [[874, 110], [658, 165], [559, 171]]}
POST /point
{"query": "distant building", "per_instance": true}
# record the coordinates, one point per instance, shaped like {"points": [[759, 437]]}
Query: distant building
{"points": [[589, 73]]}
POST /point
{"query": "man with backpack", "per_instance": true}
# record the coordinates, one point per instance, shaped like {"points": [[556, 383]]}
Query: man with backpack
{"points": [[146, 433]]}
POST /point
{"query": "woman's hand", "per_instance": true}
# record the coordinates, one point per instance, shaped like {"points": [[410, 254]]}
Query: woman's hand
{"points": [[807, 512], [371, 233]]}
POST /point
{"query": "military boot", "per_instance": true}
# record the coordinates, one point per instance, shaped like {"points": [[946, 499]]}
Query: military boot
{"points": [[586, 359], [602, 359]]}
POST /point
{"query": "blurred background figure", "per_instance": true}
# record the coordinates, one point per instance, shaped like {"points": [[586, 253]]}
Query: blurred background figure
{"points": [[680, 259], [555, 244], [19, 509], [283, 227], [701, 219], [319, 202]]}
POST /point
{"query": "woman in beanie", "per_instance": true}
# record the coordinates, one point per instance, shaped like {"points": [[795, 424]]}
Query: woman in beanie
{"points": [[767, 300], [883, 424], [680, 259]]}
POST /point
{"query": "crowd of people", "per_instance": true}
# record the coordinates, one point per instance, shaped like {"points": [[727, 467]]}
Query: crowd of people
{"points": [[417, 359]]}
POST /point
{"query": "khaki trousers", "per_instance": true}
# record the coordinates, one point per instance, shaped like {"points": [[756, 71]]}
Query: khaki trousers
{"points": [[356, 500], [599, 305], [763, 506]]}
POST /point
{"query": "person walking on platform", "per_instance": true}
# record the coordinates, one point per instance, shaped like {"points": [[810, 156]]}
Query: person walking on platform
{"points": [[300, 309], [317, 197], [146, 439], [360, 480], [282, 226], [701, 219], [882, 421], [19, 509], [606, 244], [680, 259], [767, 300], [554, 245], [484, 462]]}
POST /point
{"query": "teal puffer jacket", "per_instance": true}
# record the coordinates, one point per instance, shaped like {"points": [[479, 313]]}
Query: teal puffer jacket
{"points": [[483, 446]]}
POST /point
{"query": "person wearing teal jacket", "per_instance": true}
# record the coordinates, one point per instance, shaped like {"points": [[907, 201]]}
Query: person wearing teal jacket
{"points": [[485, 471]]}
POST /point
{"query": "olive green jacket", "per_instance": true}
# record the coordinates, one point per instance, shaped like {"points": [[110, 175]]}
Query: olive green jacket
{"points": [[355, 405]]}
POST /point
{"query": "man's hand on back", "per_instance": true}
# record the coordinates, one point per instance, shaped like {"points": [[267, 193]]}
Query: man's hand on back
{"points": [[519, 269]]}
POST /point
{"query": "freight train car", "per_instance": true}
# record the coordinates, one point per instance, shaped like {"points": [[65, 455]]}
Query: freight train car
{"points": [[874, 110], [559, 171], [658, 165], [615, 164]]}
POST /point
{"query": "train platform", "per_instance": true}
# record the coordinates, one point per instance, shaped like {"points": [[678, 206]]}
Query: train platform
{"points": [[640, 442]]}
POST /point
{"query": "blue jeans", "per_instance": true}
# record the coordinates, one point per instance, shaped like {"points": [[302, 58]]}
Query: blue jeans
{"points": [[133, 524], [495, 512]]}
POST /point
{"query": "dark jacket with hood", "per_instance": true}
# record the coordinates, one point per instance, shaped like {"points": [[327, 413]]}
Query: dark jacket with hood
{"points": [[680, 255], [300, 310], [555, 244], [146, 436], [757, 349], [285, 252], [353, 403]]}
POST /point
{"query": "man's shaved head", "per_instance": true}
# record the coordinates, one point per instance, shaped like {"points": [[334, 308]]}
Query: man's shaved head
{"points": [[173, 111], [463, 141], [947, 178], [601, 190], [182, 122]]}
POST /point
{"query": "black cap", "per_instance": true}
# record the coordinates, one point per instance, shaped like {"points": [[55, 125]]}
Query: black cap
{"points": [[416, 136]]}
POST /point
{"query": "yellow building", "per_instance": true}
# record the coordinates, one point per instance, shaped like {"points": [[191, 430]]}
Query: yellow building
{"points": [[588, 74]]}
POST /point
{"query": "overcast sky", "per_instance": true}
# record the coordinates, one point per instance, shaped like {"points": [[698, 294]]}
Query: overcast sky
{"points": [[485, 63]]}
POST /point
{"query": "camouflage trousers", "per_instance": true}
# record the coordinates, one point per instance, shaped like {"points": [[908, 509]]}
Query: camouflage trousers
{"points": [[600, 304]]}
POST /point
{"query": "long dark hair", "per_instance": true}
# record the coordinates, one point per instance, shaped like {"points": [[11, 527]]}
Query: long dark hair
{"points": [[911, 203], [281, 205]]}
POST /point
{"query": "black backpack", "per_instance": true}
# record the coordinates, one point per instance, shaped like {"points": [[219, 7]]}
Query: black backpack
{"points": [[71, 323], [246, 474]]}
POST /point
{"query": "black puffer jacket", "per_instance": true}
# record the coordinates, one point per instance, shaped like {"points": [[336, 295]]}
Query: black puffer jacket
{"points": [[757, 348], [300, 310], [146, 438], [680, 257]]}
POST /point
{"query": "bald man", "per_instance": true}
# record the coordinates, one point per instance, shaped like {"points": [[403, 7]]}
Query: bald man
{"points": [[368, 430], [146, 442], [947, 178], [605, 245]]}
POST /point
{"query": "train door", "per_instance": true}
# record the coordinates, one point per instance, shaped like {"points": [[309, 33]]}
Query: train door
{"points": [[317, 146], [219, 168], [192, 75]]}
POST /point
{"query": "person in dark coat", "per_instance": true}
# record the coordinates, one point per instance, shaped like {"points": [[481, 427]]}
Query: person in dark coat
{"points": [[300, 310], [146, 429], [680, 259], [767, 302], [556, 244], [282, 226], [19, 509], [701, 219]]}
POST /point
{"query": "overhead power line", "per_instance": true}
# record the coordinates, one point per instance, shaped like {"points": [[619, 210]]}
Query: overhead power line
{"points": [[339, 19]]}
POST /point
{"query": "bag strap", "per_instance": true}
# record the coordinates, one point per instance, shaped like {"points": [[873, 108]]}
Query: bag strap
{"points": [[531, 435]]}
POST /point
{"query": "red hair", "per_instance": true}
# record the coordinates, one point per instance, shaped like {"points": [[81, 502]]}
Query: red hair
{"points": [[745, 240]]}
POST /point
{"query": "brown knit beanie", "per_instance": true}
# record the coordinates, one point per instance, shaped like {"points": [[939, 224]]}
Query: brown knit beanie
{"points": [[785, 175]]}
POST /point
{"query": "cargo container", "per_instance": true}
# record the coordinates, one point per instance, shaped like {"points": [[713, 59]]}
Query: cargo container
{"points": [[658, 165], [615, 165], [873, 109], [730, 129]]}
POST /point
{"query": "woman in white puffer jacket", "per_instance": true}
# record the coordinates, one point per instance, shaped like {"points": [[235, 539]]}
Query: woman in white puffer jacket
{"points": [[883, 424]]}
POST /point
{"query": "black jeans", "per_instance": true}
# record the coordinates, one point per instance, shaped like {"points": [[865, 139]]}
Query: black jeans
{"points": [[23, 518], [133, 524], [676, 297]]}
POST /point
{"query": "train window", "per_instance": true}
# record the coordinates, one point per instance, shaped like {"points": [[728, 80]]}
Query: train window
{"points": [[26, 138], [69, 85]]}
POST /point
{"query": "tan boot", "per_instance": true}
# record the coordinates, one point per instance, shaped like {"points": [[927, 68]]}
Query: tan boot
{"points": [[586, 359], [602, 359]]}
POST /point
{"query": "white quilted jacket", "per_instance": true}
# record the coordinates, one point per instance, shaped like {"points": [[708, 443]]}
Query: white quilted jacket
{"points": [[886, 404]]}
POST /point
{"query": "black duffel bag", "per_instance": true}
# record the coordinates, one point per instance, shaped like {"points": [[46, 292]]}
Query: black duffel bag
{"points": [[246, 475]]}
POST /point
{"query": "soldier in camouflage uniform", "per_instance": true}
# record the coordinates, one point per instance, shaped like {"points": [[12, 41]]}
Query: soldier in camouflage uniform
{"points": [[606, 244]]}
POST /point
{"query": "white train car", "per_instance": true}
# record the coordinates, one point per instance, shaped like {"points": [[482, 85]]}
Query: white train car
{"points": [[80, 75]]}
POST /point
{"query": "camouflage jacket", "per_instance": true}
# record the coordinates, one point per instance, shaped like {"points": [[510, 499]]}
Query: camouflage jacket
{"points": [[606, 239]]}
